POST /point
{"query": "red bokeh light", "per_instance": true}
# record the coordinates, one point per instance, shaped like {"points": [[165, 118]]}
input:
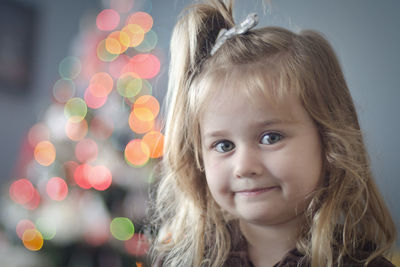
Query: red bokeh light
{"points": [[146, 66], [107, 20], [22, 191], [57, 188], [81, 176], [100, 178]]}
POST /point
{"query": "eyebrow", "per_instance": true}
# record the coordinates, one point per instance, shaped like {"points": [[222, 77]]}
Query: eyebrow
{"points": [[266, 123]]}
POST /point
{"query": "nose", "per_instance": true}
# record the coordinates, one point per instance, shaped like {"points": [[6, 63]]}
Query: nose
{"points": [[248, 163]]}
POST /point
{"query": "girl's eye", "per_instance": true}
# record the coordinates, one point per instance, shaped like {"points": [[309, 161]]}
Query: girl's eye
{"points": [[271, 138], [224, 146]]}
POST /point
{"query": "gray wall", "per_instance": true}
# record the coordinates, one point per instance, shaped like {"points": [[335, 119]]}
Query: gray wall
{"points": [[364, 33]]}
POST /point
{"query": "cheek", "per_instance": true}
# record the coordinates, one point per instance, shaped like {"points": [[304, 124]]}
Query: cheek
{"points": [[298, 175]]}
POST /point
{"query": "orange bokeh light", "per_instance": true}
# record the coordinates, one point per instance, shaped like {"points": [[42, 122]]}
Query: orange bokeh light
{"points": [[100, 177], [137, 152], [57, 188], [139, 126], [146, 107], [114, 44], [76, 130], [133, 35], [32, 239], [142, 19], [45, 153], [155, 141]]}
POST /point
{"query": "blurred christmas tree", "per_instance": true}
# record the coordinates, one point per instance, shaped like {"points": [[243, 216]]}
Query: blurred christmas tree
{"points": [[79, 198]]}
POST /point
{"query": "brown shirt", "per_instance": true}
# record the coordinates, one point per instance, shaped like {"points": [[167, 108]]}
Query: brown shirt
{"points": [[295, 259]]}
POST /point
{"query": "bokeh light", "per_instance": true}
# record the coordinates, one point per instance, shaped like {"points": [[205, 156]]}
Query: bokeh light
{"points": [[146, 66], [107, 20], [142, 19], [114, 44], [103, 54], [22, 191], [46, 226], [149, 42], [129, 84], [101, 127], [122, 228], [75, 109], [70, 67], [45, 153], [81, 176], [139, 126], [137, 153], [63, 90], [101, 84], [37, 133], [24, 225], [86, 150], [93, 101], [146, 108], [32, 239], [155, 142], [100, 177], [57, 189], [76, 130], [138, 245], [133, 35]]}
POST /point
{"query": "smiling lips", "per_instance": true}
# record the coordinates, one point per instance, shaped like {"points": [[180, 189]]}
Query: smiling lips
{"points": [[255, 192]]}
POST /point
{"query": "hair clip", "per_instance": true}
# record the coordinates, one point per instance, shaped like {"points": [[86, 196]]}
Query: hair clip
{"points": [[224, 34]]}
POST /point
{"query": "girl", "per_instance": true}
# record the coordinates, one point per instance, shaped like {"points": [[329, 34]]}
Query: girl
{"points": [[264, 163]]}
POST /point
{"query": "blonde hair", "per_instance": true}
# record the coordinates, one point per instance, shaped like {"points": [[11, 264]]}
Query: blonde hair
{"points": [[344, 215]]}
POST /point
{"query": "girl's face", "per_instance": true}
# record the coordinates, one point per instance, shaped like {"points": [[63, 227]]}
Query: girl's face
{"points": [[261, 161]]}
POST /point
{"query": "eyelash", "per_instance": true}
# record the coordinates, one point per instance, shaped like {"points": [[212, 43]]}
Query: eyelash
{"points": [[216, 144]]}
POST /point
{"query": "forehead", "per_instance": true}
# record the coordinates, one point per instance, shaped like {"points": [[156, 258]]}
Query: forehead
{"points": [[254, 84]]}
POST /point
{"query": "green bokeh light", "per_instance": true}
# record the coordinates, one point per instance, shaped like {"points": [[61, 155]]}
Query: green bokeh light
{"points": [[75, 109], [129, 84], [103, 54], [63, 90], [149, 42], [69, 67], [122, 228], [46, 227]]}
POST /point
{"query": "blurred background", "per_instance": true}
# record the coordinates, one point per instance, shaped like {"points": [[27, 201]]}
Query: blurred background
{"points": [[82, 86]]}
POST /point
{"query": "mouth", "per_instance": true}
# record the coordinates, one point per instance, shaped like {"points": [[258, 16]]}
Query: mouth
{"points": [[255, 191]]}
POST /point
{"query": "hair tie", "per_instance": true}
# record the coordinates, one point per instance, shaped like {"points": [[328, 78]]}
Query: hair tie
{"points": [[224, 34]]}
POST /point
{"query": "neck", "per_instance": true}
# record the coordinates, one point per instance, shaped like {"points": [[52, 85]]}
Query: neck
{"points": [[267, 244]]}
